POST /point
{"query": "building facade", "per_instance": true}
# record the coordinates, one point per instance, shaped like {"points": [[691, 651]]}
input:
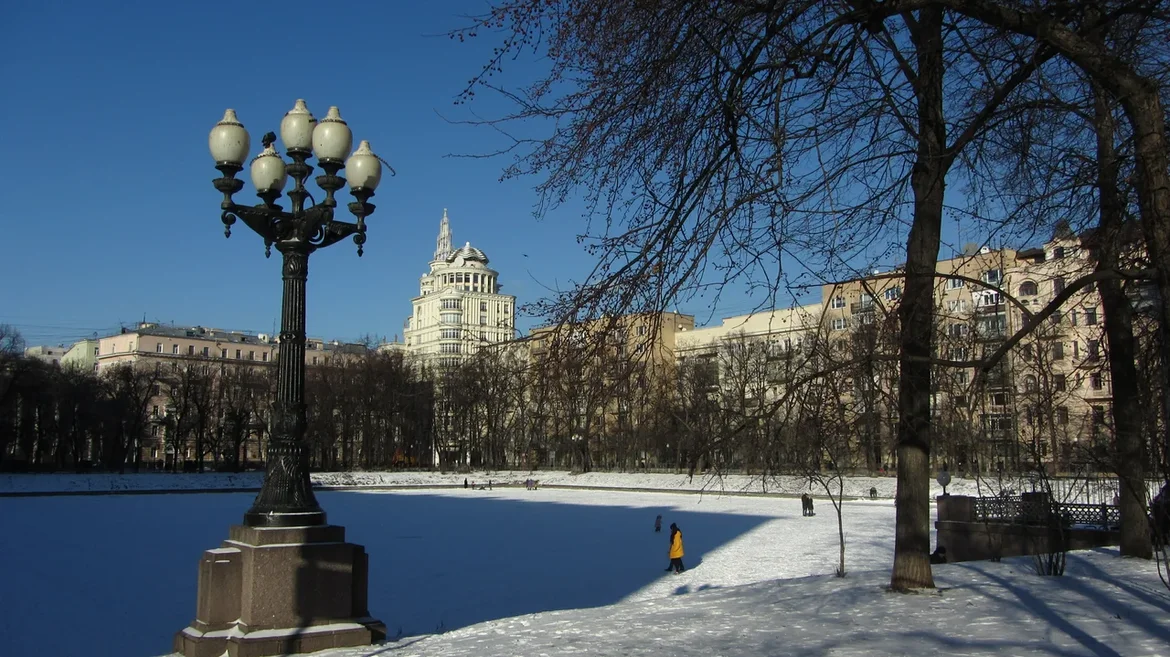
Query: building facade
{"points": [[82, 356], [460, 307]]}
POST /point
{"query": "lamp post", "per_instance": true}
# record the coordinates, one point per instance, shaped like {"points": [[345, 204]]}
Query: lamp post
{"points": [[286, 497], [944, 479], [286, 581]]}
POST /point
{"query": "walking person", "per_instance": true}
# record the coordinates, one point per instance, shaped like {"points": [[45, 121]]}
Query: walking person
{"points": [[676, 550], [658, 523]]}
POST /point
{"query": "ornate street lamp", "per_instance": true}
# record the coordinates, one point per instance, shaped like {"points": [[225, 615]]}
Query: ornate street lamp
{"points": [[286, 581], [286, 497]]}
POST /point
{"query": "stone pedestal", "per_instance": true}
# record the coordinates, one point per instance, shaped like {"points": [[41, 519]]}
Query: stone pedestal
{"points": [[280, 590]]}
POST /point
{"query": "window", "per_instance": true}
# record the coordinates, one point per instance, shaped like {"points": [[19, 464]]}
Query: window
{"points": [[1061, 415], [190, 350], [994, 326], [1091, 316], [1098, 415], [957, 330], [251, 355], [1095, 381], [961, 401], [1058, 285], [641, 330], [893, 293], [155, 389], [1030, 383], [838, 302], [264, 356], [962, 377], [451, 304], [206, 352], [158, 347], [1058, 253], [999, 399], [1072, 318], [992, 276], [955, 284], [1029, 289], [223, 353], [1057, 351], [957, 305], [1094, 350], [958, 353], [483, 320], [237, 354], [1055, 317], [174, 349], [840, 324], [314, 360], [450, 318], [154, 411], [867, 301], [986, 298], [1059, 382], [483, 306]]}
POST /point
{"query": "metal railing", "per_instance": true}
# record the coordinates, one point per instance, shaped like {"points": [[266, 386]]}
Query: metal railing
{"points": [[1040, 509]]}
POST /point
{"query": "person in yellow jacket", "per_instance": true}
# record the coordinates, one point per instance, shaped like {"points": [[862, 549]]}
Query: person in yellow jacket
{"points": [[676, 550]]}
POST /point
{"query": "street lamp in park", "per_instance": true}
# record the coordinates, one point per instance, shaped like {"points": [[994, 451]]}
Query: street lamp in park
{"points": [[944, 478], [286, 581]]}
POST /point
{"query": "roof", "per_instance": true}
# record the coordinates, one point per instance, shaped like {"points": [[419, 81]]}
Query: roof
{"points": [[468, 252]]}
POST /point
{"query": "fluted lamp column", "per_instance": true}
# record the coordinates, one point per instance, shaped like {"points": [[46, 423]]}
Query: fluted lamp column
{"points": [[286, 581]]}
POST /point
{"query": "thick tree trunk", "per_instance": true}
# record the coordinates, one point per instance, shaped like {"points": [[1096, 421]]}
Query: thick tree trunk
{"points": [[1129, 452], [916, 312]]}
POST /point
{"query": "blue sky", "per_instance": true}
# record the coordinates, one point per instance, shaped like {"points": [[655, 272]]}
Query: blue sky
{"points": [[111, 215]]}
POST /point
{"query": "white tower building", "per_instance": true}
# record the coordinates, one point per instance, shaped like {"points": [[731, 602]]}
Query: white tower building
{"points": [[459, 307]]}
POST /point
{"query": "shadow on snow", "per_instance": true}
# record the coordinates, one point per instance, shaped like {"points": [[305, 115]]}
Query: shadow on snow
{"points": [[120, 572]]}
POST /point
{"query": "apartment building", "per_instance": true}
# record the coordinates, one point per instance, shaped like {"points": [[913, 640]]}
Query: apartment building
{"points": [[173, 350], [1046, 400], [460, 307]]}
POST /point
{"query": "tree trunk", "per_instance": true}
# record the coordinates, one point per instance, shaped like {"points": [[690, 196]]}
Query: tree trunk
{"points": [[916, 312], [1129, 449]]}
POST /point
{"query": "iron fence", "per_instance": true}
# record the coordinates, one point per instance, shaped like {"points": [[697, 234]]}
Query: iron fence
{"points": [[1040, 510]]}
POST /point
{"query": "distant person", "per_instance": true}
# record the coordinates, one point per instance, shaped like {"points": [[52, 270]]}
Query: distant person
{"points": [[806, 505], [676, 550], [489, 484], [939, 555], [873, 492], [465, 482], [658, 523]]}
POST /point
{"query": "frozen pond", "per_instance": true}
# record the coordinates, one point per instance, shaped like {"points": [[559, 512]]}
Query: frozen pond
{"points": [[116, 575]]}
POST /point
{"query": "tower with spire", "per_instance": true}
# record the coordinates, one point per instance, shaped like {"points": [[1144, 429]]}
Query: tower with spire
{"points": [[443, 243], [459, 308]]}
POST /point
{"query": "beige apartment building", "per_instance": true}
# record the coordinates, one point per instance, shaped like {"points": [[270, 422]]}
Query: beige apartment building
{"points": [[172, 349], [460, 307], [1046, 401]]}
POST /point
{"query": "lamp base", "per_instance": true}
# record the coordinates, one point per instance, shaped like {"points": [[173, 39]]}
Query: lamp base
{"points": [[281, 590]]}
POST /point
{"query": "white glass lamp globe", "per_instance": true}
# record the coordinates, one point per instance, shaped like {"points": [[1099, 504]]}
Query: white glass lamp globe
{"points": [[332, 138], [296, 128], [268, 171], [229, 142], [363, 169]]}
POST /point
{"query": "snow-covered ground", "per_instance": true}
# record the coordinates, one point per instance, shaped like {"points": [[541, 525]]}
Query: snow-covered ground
{"points": [[731, 483], [561, 572]]}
